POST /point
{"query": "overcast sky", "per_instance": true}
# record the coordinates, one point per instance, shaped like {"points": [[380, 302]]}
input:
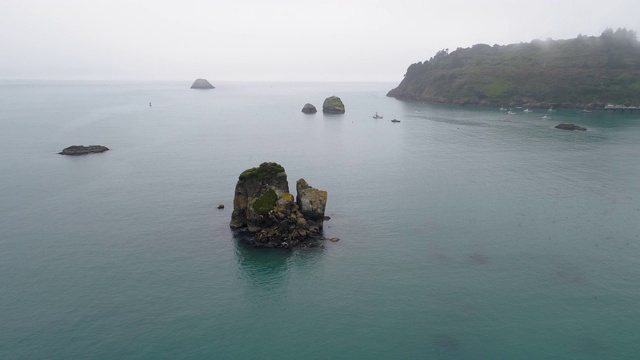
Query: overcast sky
{"points": [[285, 40]]}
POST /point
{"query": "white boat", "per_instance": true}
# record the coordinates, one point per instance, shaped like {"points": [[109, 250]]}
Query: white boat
{"points": [[376, 116], [510, 112], [502, 109], [527, 110], [546, 117]]}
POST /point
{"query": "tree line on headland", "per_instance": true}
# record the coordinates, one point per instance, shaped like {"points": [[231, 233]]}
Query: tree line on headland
{"points": [[587, 71]]}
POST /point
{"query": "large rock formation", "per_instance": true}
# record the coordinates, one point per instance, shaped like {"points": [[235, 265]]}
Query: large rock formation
{"points": [[264, 206], [202, 84], [333, 105], [309, 109], [570, 127], [83, 150]]}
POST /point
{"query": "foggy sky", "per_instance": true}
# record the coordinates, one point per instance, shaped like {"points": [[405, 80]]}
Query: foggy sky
{"points": [[286, 40]]}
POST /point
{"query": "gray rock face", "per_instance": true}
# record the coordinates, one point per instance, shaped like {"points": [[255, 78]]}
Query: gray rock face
{"points": [[333, 105], [311, 202], [309, 109], [83, 150], [202, 84], [263, 205], [570, 127]]}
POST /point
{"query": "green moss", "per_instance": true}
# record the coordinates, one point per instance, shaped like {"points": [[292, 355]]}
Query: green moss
{"points": [[333, 101], [265, 202], [262, 171]]}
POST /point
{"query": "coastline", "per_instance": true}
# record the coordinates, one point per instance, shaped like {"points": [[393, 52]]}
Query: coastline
{"points": [[529, 104]]}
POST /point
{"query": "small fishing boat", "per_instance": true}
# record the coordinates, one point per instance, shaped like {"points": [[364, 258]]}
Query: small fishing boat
{"points": [[376, 116], [586, 111], [395, 121], [527, 110]]}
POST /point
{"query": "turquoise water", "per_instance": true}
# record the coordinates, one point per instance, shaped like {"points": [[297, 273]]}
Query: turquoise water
{"points": [[465, 234]]}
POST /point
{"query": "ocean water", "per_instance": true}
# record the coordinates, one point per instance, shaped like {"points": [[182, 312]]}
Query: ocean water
{"points": [[464, 233]]}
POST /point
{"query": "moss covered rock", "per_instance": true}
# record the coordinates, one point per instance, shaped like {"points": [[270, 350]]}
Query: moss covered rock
{"points": [[333, 105], [264, 206], [251, 188]]}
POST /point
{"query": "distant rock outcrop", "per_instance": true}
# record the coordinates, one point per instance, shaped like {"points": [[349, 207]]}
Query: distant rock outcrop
{"points": [[83, 150], [570, 127], [309, 109], [202, 84], [264, 206], [333, 105]]}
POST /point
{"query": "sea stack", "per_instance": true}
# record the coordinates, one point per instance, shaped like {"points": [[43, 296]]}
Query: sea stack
{"points": [[202, 84], [83, 150], [264, 206], [333, 105], [309, 109]]}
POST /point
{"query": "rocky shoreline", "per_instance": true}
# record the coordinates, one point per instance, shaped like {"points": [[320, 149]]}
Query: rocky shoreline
{"points": [[529, 104]]}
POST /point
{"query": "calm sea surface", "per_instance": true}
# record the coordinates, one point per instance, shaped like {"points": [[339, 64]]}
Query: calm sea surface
{"points": [[465, 234]]}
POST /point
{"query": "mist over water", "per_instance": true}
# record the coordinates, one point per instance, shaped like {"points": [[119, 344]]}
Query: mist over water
{"points": [[465, 233]]}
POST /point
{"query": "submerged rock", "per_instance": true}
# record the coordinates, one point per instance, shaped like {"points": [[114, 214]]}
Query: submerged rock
{"points": [[333, 105], [202, 84], [309, 109], [570, 127], [83, 150], [264, 206]]}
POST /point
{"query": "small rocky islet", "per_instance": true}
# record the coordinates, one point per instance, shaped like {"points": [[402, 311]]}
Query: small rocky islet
{"points": [[83, 150], [333, 105], [309, 109], [570, 127], [263, 206], [202, 84]]}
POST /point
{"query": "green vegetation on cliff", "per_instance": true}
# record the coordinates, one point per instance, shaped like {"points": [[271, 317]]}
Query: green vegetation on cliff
{"points": [[585, 71], [261, 171]]}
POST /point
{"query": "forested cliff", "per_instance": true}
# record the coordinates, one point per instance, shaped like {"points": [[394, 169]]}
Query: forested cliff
{"points": [[587, 71]]}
